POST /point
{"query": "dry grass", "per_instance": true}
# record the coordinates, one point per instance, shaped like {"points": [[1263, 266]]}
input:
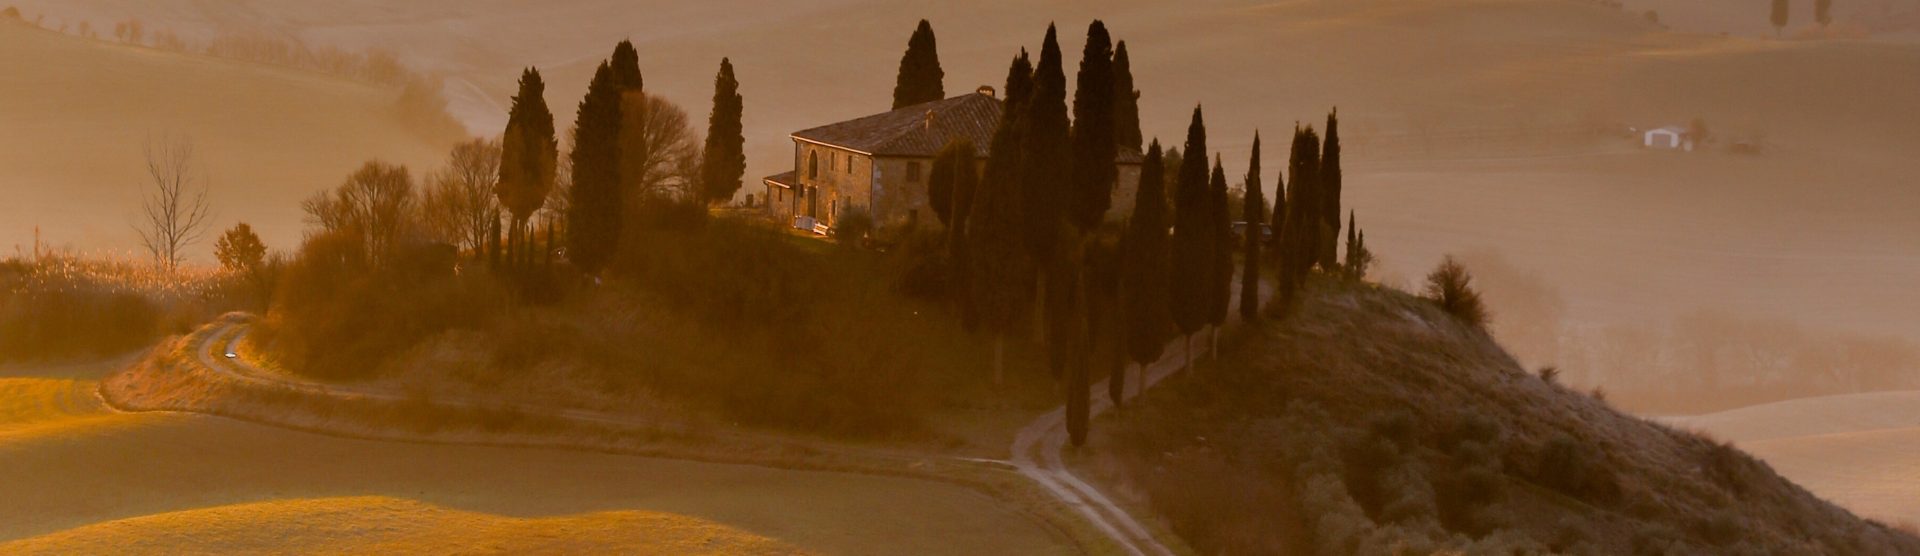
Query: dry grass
{"points": [[383, 525], [1385, 423], [66, 306]]}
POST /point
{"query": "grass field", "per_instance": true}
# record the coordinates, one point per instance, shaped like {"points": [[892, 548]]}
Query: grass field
{"points": [[152, 477]]}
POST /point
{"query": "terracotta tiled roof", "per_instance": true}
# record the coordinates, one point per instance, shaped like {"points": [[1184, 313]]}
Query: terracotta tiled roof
{"points": [[785, 179], [908, 131]]}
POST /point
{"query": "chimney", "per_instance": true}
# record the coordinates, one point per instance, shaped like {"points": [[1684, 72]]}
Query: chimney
{"points": [[929, 120], [985, 90]]}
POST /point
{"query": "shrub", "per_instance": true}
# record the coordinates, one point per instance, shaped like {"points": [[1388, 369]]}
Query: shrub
{"points": [[62, 306], [853, 226], [1550, 374], [1576, 470], [335, 317], [1451, 287]]}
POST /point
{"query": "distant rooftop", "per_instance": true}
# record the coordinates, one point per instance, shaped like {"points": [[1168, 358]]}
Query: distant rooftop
{"points": [[917, 130], [921, 130]]}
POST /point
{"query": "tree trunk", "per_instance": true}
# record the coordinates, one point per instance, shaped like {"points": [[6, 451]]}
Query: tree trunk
{"points": [[999, 359], [1189, 353], [1214, 334]]}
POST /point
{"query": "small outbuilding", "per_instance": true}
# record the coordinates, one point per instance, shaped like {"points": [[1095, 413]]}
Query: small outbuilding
{"points": [[1670, 137]]}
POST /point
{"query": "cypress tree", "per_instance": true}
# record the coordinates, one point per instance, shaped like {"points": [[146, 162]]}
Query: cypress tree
{"points": [[1045, 145], [493, 244], [1145, 273], [1094, 142], [594, 216], [1126, 100], [626, 66], [1220, 279], [1105, 329], [998, 273], [1303, 223], [940, 195], [1279, 219], [1328, 191], [1353, 246], [1780, 14], [1254, 212], [965, 177], [1193, 241], [528, 152], [920, 76], [724, 161]]}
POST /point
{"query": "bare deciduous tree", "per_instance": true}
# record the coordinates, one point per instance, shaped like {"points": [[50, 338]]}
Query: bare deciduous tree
{"points": [[176, 211], [375, 207], [460, 207], [663, 160]]}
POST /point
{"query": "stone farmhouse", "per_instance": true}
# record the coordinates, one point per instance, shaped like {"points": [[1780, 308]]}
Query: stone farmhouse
{"points": [[881, 163]]}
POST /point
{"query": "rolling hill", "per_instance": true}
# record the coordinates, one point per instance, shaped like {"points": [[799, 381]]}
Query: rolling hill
{"points": [[77, 114]]}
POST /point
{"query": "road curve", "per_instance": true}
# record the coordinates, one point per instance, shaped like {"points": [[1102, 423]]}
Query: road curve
{"points": [[1036, 453], [1036, 448]]}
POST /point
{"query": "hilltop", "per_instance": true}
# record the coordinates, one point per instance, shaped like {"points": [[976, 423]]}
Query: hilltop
{"points": [[1370, 419]]}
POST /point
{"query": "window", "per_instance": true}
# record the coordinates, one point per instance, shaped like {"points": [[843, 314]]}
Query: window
{"points": [[813, 165], [913, 172], [849, 164]]}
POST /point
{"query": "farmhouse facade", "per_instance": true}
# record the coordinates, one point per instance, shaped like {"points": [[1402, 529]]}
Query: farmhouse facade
{"points": [[882, 163]]}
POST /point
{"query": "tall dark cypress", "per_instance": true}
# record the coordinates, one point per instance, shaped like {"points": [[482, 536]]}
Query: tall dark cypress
{"points": [[1279, 219], [999, 276], [1353, 246], [594, 216], [1329, 194], [1220, 277], [1046, 148], [1145, 274], [1254, 212], [1193, 238], [626, 67], [940, 179], [1126, 101], [1094, 147], [724, 161], [1304, 220], [528, 152], [1105, 332], [920, 75], [964, 177]]}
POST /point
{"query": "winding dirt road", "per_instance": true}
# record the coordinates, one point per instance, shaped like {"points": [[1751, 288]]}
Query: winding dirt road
{"points": [[1036, 449]]}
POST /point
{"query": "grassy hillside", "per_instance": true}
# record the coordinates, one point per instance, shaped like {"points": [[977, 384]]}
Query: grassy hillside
{"points": [[78, 112], [1371, 420], [105, 482]]}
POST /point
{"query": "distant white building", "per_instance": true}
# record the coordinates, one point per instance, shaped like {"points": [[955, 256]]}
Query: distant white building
{"points": [[1670, 137]]}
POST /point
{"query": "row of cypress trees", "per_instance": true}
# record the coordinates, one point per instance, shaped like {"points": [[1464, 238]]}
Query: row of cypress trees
{"points": [[605, 134], [1025, 233]]}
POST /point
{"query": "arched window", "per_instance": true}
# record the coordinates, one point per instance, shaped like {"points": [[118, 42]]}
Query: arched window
{"points": [[813, 165]]}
